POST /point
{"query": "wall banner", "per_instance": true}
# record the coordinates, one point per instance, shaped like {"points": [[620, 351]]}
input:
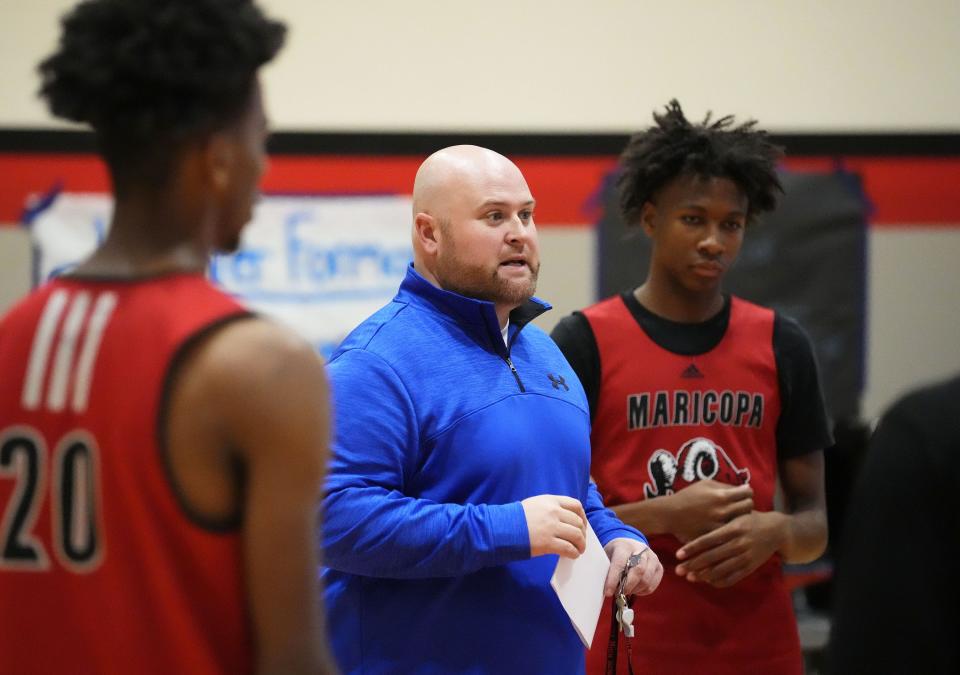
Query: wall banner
{"points": [[318, 264]]}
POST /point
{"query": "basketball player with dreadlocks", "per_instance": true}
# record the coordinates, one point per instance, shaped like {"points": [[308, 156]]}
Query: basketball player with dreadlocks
{"points": [[700, 402], [161, 449]]}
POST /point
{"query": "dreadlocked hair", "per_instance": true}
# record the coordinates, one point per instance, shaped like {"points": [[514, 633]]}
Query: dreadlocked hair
{"points": [[674, 147], [148, 75]]}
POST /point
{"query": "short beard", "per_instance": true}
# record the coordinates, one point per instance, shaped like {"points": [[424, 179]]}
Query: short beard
{"points": [[477, 282]]}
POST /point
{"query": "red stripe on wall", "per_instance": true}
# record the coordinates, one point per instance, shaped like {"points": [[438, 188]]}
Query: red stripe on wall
{"points": [[912, 191], [25, 175], [903, 191]]}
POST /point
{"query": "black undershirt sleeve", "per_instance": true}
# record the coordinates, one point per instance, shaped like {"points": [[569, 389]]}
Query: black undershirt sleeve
{"points": [[575, 339], [803, 426]]}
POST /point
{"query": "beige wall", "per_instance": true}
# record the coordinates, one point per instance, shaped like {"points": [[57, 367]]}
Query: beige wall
{"points": [[14, 265], [568, 277], [570, 65], [913, 324]]}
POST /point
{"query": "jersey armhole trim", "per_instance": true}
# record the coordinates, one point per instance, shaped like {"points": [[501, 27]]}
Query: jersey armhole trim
{"points": [[229, 524]]}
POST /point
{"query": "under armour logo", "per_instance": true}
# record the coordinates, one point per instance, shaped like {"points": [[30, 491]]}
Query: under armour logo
{"points": [[557, 381]]}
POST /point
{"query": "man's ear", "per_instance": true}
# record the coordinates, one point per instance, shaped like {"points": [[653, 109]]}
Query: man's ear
{"points": [[218, 160], [648, 214], [426, 231]]}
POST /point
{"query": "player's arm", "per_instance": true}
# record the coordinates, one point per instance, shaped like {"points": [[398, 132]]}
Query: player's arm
{"points": [[697, 509], [726, 555], [273, 412], [803, 430], [805, 522]]}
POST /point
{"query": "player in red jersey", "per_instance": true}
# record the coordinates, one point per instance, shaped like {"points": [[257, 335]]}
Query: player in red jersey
{"points": [[700, 402], [161, 449]]}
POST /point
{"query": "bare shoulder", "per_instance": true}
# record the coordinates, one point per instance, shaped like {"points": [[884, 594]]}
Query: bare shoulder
{"points": [[257, 380], [257, 350]]}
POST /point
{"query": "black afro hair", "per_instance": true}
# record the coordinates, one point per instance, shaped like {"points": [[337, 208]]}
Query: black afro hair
{"points": [[150, 74], [674, 147]]}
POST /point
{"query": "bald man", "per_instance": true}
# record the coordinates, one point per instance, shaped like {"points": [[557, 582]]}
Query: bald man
{"points": [[462, 451]]}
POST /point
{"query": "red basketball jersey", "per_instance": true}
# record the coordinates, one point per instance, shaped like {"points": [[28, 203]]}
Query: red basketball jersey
{"points": [[101, 571], [662, 422]]}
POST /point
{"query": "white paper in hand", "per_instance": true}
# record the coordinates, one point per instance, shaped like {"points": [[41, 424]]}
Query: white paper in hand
{"points": [[579, 585]]}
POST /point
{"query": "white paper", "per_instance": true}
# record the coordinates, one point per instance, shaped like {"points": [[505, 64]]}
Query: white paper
{"points": [[579, 585]]}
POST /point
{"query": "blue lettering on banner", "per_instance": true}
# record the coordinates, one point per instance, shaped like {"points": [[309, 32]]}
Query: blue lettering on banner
{"points": [[246, 266], [307, 261], [311, 272]]}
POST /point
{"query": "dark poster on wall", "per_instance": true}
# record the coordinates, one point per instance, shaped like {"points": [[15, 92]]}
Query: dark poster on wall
{"points": [[806, 260]]}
